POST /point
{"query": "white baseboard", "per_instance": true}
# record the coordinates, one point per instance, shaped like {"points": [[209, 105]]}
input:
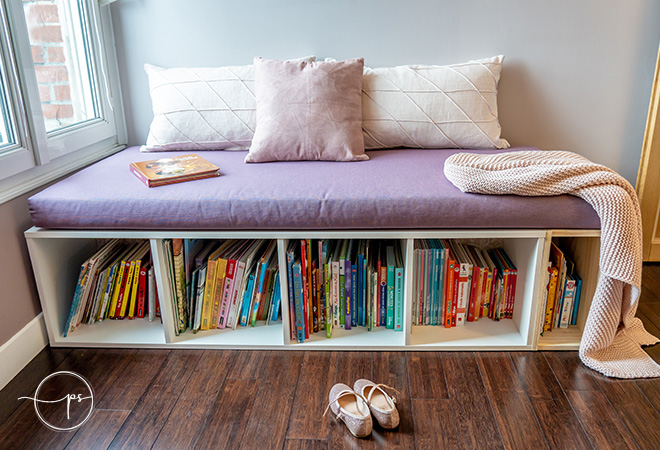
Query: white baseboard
{"points": [[18, 351]]}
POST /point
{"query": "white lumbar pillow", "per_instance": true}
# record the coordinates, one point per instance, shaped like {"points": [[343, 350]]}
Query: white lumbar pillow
{"points": [[419, 106], [202, 108]]}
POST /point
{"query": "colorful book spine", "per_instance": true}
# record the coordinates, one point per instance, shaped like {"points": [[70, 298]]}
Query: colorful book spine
{"points": [[220, 273], [235, 301], [228, 290], [209, 291], [142, 289], [298, 300], [245, 309], [277, 300], [398, 298], [347, 295], [576, 300], [259, 287], [383, 294], [552, 294], [354, 295], [292, 304], [389, 319]]}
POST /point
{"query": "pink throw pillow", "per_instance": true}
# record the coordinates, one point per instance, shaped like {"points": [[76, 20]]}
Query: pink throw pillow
{"points": [[308, 111]]}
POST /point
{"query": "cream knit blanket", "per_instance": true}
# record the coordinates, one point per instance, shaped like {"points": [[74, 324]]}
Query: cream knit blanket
{"points": [[612, 335]]}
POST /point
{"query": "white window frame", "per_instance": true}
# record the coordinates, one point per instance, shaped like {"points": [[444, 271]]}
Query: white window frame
{"points": [[44, 157]]}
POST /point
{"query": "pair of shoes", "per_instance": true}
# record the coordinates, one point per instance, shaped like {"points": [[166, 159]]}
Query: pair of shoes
{"points": [[355, 406]]}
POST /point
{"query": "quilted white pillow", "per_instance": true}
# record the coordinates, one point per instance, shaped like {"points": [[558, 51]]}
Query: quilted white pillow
{"points": [[202, 109], [418, 106]]}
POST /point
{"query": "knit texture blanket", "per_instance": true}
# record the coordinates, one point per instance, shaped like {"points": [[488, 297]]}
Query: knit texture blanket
{"points": [[612, 336]]}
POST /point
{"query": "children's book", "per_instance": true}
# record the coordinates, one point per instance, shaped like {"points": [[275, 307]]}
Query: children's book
{"points": [[176, 169]]}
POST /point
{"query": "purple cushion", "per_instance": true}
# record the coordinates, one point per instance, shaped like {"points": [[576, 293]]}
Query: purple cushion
{"points": [[394, 189]]}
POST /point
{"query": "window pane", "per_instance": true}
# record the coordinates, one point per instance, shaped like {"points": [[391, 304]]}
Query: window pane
{"points": [[7, 136], [59, 37]]}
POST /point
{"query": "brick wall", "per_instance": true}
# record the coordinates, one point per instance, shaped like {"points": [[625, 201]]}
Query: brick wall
{"points": [[48, 55]]}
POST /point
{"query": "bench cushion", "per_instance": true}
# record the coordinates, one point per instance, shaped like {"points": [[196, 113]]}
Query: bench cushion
{"points": [[400, 188]]}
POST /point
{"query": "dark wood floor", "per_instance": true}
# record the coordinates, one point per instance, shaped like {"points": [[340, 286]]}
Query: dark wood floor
{"points": [[275, 399]]}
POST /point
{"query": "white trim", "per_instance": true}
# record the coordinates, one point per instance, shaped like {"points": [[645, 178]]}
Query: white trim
{"points": [[21, 348], [39, 176]]}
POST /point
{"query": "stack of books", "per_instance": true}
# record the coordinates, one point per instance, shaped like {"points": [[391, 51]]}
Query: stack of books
{"points": [[562, 293], [454, 283], [222, 284], [115, 283], [345, 284]]}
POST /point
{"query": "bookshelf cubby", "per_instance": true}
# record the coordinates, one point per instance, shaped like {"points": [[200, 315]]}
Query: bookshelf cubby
{"points": [[56, 256]]}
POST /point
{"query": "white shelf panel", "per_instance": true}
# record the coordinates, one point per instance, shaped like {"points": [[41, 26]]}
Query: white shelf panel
{"points": [[561, 339], [485, 334], [259, 336], [356, 338], [116, 333]]}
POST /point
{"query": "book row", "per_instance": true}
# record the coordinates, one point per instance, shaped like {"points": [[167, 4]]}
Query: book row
{"points": [[563, 291], [344, 283], [114, 283], [222, 284], [455, 282]]}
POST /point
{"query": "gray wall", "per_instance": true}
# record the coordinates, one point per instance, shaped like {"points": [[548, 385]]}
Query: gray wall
{"points": [[19, 301], [577, 74]]}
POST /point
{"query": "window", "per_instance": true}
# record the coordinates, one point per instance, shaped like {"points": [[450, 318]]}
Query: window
{"points": [[58, 85]]}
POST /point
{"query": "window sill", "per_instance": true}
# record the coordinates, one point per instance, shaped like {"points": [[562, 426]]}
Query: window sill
{"points": [[39, 176]]}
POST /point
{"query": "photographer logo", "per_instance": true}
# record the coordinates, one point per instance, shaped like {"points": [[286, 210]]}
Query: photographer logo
{"points": [[63, 401]]}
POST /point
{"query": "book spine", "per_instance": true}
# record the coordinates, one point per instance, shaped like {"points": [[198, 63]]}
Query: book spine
{"points": [[463, 293], [292, 302], [569, 294], [152, 294], [142, 289], [235, 301], [354, 295], [209, 290], [259, 292], [247, 297], [383, 295], [348, 307], [315, 299], [329, 306], [199, 303], [576, 301], [220, 274], [342, 292], [306, 300], [360, 294], [180, 283], [277, 299], [115, 292], [389, 319], [433, 287], [335, 293], [140, 176], [227, 294], [76, 298], [449, 296], [298, 300], [122, 290], [107, 295], [398, 299], [472, 303], [134, 290], [552, 293]]}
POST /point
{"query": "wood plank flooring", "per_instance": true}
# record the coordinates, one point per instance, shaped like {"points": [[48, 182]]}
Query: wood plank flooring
{"points": [[183, 399]]}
